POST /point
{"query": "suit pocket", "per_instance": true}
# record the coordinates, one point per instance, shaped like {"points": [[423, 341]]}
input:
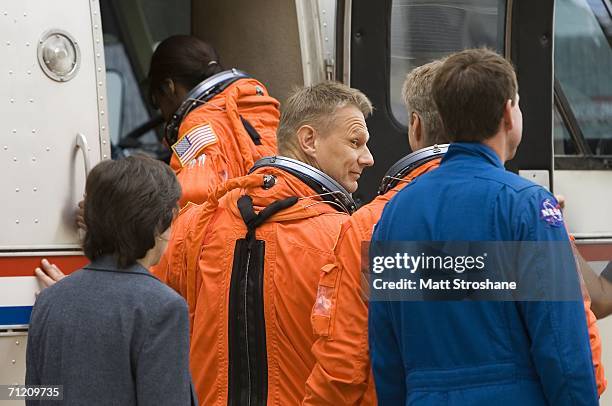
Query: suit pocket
{"points": [[324, 309]]}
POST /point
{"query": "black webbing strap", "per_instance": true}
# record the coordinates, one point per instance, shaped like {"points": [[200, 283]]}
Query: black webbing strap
{"points": [[251, 131], [248, 354], [254, 220]]}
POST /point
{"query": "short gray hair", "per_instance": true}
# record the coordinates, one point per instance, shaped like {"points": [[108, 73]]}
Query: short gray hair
{"points": [[418, 98], [316, 106]]}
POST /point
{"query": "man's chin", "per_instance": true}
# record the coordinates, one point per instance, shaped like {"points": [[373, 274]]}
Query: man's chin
{"points": [[350, 187]]}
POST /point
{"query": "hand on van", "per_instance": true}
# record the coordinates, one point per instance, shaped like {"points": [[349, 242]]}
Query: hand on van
{"points": [[48, 274], [80, 215]]}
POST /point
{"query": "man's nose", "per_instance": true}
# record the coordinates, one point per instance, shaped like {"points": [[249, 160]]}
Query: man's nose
{"points": [[366, 158]]}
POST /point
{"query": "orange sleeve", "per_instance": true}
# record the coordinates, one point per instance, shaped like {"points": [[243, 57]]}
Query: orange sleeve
{"points": [[594, 337], [341, 375], [168, 270], [209, 166], [595, 341], [200, 178], [172, 268]]}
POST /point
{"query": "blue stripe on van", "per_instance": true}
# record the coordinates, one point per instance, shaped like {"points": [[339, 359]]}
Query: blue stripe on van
{"points": [[11, 316]]}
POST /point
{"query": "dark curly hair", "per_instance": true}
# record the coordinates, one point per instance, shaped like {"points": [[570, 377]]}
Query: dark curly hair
{"points": [[128, 203], [184, 59]]}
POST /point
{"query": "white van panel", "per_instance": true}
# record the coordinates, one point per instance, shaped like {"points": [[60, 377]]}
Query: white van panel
{"points": [[588, 208], [43, 172]]}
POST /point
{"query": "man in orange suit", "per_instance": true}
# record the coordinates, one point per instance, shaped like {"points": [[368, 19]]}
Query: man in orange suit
{"points": [[247, 261]]}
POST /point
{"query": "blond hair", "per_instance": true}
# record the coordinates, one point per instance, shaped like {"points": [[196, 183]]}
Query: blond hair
{"points": [[418, 98], [316, 106]]}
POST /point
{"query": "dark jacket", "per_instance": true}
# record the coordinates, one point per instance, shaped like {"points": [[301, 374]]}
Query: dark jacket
{"points": [[111, 337]]}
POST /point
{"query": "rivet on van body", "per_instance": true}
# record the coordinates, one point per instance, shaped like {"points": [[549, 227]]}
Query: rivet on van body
{"points": [[16, 221], [14, 159], [16, 190], [6, 147], [31, 100], [16, 342], [12, 100], [47, 149], [33, 159], [35, 221], [14, 131], [13, 362], [35, 189], [33, 130]]}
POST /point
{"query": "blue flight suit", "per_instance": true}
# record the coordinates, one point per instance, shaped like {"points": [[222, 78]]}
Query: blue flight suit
{"points": [[478, 353]]}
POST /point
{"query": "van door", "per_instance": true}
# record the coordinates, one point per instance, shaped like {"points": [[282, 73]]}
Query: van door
{"points": [[53, 129], [54, 119]]}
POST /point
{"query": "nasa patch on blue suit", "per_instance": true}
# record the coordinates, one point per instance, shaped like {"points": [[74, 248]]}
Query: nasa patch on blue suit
{"points": [[550, 213]]}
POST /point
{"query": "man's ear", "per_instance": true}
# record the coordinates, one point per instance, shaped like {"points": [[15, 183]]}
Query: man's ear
{"points": [[307, 137], [508, 121], [415, 132]]}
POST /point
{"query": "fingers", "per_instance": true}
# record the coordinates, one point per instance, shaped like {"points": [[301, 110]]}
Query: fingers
{"points": [[44, 278], [81, 223], [52, 270], [80, 215], [561, 201], [48, 273]]}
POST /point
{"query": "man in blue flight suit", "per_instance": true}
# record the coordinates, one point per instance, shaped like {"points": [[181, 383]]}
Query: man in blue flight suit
{"points": [[479, 352]]}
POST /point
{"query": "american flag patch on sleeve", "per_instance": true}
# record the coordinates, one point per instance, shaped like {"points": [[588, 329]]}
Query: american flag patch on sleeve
{"points": [[199, 137]]}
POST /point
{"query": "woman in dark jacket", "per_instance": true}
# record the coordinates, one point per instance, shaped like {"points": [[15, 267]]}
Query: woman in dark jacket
{"points": [[111, 333]]}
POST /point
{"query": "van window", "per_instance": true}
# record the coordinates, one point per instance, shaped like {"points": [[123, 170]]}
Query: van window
{"points": [[132, 28], [422, 31], [583, 71], [563, 142]]}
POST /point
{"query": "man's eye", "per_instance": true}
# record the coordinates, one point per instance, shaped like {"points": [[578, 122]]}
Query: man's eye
{"points": [[355, 142]]}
